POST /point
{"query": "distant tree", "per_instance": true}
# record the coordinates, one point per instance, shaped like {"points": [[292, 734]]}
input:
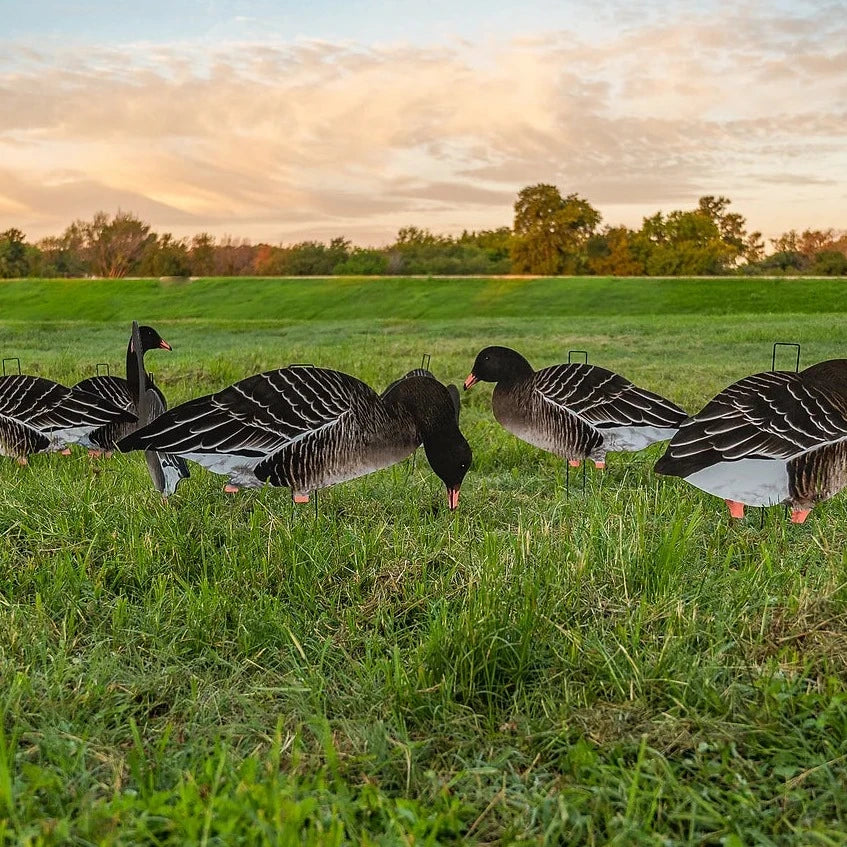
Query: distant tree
{"points": [[610, 253], [115, 246], [732, 228], [233, 257], [551, 231], [783, 261], [165, 256], [413, 236], [682, 244], [201, 254], [363, 262], [830, 263], [13, 254], [788, 242]]}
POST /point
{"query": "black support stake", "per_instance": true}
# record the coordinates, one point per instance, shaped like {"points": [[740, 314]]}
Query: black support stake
{"points": [[12, 359], [106, 368], [786, 344], [572, 353]]}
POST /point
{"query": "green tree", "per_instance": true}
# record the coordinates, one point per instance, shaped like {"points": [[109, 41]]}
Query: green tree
{"points": [[13, 254], [115, 246], [551, 231], [201, 254], [830, 263], [610, 253], [165, 256], [682, 244], [363, 261]]}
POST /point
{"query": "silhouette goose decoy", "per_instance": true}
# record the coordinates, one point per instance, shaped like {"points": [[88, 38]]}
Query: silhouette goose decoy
{"points": [[307, 428], [122, 392], [576, 411], [38, 415], [774, 437]]}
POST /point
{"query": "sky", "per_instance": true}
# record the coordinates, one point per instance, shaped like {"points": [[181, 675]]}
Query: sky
{"points": [[283, 121]]}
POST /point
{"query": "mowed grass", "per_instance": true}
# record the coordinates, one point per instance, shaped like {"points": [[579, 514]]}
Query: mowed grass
{"points": [[615, 666]]}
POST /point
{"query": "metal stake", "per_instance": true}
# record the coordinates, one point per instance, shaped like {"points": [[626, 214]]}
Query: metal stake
{"points": [[107, 370], [571, 354], [12, 359], [786, 344]]}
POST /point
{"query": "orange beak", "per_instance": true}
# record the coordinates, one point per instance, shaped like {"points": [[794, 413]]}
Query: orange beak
{"points": [[164, 345], [470, 381], [453, 498]]}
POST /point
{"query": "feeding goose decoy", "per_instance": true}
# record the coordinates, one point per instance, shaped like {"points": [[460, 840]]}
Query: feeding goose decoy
{"points": [[38, 415], [306, 428], [774, 437], [576, 411]]}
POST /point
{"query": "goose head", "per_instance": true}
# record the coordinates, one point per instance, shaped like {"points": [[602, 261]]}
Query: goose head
{"points": [[150, 340], [432, 406], [498, 364]]}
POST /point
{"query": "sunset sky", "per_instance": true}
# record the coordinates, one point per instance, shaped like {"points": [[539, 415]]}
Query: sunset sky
{"points": [[284, 121]]}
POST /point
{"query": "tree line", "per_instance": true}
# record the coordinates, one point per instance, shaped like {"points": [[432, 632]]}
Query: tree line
{"points": [[551, 234]]}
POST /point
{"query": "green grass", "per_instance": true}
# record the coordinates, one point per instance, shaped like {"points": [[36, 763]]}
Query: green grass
{"points": [[619, 667]]}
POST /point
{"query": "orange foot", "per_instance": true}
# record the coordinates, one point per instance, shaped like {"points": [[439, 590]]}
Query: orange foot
{"points": [[601, 466], [108, 454], [799, 515], [736, 509], [231, 489], [66, 451], [22, 460], [301, 498], [95, 454], [574, 463]]}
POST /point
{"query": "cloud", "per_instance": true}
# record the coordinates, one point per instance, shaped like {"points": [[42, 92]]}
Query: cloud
{"points": [[277, 141]]}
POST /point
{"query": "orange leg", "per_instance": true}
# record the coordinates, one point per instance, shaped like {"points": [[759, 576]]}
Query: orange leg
{"points": [[301, 498], [799, 515], [736, 509], [601, 466], [231, 489], [95, 454], [22, 460], [574, 463], [66, 451]]}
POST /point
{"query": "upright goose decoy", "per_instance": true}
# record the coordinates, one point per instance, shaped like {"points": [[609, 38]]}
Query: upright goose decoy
{"points": [[306, 428], [124, 393], [38, 415], [576, 411], [774, 437]]}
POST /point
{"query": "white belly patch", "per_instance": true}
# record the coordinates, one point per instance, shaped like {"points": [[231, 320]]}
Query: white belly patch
{"points": [[754, 482]]}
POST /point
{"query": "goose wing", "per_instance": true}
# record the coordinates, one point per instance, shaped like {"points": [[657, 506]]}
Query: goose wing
{"points": [[48, 406], [772, 415], [114, 389], [603, 398], [258, 415]]}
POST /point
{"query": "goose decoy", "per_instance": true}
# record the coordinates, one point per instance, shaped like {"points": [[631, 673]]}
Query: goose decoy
{"points": [[306, 428], [38, 415], [774, 437], [577, 411], [143, 398], [123, 393]]}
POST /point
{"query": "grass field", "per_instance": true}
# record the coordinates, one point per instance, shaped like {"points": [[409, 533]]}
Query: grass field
{"points": [[621, 666]]}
